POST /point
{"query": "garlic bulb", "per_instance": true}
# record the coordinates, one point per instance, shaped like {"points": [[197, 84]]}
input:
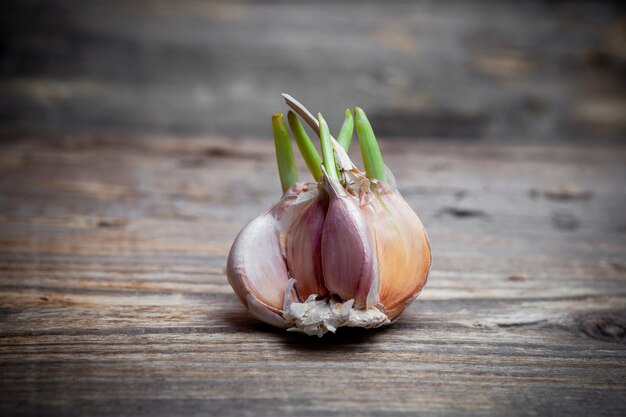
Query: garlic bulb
{"points": [[344, 251]]}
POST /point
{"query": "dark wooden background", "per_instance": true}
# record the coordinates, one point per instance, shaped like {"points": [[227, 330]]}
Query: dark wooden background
{"points": [[504, 71], [135, 143]]}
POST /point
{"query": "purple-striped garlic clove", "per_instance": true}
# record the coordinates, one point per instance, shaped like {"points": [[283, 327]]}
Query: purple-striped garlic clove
{"points": [[303, 248], [348, 253]]}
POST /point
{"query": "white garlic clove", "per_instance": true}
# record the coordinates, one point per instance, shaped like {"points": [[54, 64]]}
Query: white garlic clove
{"points": [[256, 267], [262, 312], [348, 254]]}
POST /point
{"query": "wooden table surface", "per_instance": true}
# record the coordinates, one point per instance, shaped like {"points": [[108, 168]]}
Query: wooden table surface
{"points": [[114, 301]]}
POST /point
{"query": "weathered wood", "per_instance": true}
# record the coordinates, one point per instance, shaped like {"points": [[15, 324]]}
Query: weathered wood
{"points": [[113, 299], [539, 71]]}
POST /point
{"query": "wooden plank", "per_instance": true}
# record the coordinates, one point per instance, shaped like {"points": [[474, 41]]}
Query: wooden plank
{"points": [[113, 298]]}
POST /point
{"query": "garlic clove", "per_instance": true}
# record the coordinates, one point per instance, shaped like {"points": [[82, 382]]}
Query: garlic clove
{"points": [[261, 312], [256, 267], [348, 254], [402, 248], [304, 249]]}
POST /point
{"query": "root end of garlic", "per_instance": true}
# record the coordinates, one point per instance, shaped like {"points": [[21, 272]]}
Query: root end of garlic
{"points": [[318, 317]]}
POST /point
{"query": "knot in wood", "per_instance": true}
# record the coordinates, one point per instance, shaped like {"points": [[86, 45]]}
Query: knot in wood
{"points": [[608, 328]]}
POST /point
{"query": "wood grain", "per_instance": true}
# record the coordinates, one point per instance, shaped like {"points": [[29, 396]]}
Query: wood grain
{"points": [[113, 298], [542, 72]]}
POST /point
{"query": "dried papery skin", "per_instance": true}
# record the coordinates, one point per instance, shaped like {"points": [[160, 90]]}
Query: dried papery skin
{"points": [[304, 249], [348, 253], [256, 268], [317, 317], [402, 248]]}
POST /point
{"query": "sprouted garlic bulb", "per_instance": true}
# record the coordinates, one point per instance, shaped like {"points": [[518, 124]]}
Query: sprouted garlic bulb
{"points": [[345, 250]]}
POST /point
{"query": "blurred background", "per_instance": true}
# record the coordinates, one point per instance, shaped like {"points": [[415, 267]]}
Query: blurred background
{"points": [[480, 70]]}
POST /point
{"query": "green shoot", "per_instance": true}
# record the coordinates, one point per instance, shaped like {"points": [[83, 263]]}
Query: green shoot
{"points": [[370, 152], [347, 129], [327, 149], [284, 153], [307, 149]]}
